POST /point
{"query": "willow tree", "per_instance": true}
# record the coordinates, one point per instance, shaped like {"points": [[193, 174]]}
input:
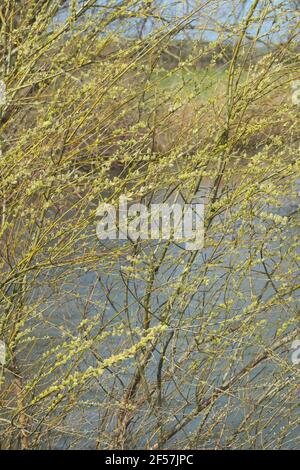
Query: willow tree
{"points": [[141, 343]]}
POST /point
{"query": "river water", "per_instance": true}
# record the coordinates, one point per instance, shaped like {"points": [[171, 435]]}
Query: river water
{"points": [[112, 296]]}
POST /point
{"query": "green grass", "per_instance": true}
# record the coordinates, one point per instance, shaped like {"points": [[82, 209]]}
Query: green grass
{"points": [[203, 82]]}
